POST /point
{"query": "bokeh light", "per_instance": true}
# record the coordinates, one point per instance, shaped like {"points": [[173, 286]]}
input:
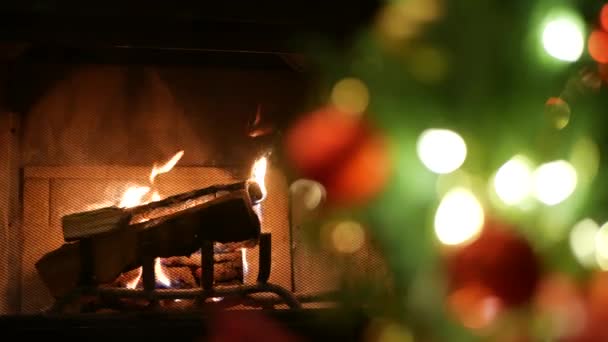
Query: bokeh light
{"points": [[441, 150], [309, 192], [350, 95], [557, 112], [459, 217], [585, 158], [604, 17], [554, 182], [427, 64], [513, 180], [347, 237], [601, 247], [475, 306], [598, 46], [582, 242], [563, 38], [387, 331]]}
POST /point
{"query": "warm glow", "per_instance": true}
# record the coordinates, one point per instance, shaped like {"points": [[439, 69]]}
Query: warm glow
{"points": [[583, 240], [133, 196], [347, 237], [459, 217], [554, 182], [513, 180], [563, 38], [136, 195], [441, 150], [258, 174], [166, 167]]}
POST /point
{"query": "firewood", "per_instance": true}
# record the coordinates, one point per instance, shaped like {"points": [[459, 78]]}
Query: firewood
{"points": [[229, 218], [89, 223], [104, 220]]}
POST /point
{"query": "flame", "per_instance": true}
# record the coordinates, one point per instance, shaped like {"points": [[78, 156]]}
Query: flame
{"points": [[133, 196], [245, 264], [258, 173], [133, 283], [157, 170], [161, 277], [136, 195]]}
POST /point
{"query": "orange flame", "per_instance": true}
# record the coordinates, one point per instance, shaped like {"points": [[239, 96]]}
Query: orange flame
{"points": [[134, 196], [133, 283], [258, 173], [157, 170]]}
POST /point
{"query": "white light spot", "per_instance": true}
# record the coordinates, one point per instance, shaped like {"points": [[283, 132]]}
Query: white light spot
{"points": [[583, 241], [441, 150], [513, 180], [459, 217], [554, 182], [601, 247], [563, 38]]}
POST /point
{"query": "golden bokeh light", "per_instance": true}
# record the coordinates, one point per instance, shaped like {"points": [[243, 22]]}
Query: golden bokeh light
{"points": [[585, 158], [459, 217], [387, 331], [427, 64], [554, 182], [308, 192], [350, 95], [441, 150], [513, 180], [347, 237], [583, 242], [557, 112]]}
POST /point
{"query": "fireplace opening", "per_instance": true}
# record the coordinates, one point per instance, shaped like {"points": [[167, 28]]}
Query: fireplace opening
{"points": [[143, 179]]}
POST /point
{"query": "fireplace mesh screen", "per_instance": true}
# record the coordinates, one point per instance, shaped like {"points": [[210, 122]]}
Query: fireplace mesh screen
{"points": [[51, 192]]}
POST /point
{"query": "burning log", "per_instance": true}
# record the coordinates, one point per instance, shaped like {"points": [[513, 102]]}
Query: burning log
{"points": [[90, 223], [175, 226]]}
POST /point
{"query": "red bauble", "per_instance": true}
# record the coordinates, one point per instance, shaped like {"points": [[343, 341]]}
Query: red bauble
{"points": [[342, 152], [598, 46], [499, 260]]}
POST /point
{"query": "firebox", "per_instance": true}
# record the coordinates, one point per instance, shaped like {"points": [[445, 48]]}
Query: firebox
{"points": [[140, 167]]}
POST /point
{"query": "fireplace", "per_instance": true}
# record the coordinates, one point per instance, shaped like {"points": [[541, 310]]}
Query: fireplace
{"points": [[88, 120]]}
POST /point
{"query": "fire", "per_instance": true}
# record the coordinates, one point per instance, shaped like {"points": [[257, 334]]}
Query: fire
{"points": [[137, 195], [133, 196], [133, 283], [258, 173], [168, 166]]}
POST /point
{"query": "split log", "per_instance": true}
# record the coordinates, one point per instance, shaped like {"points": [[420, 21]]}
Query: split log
{"points": [[90, 223], [228, 218]]}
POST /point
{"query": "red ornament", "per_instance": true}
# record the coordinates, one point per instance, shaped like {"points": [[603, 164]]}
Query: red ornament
{"points": [[604, 17], [598, 46], [499, 260], [342, 152]]}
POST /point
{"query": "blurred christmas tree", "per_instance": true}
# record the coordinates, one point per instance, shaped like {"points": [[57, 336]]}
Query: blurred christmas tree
{"points": [[465, 139]]}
